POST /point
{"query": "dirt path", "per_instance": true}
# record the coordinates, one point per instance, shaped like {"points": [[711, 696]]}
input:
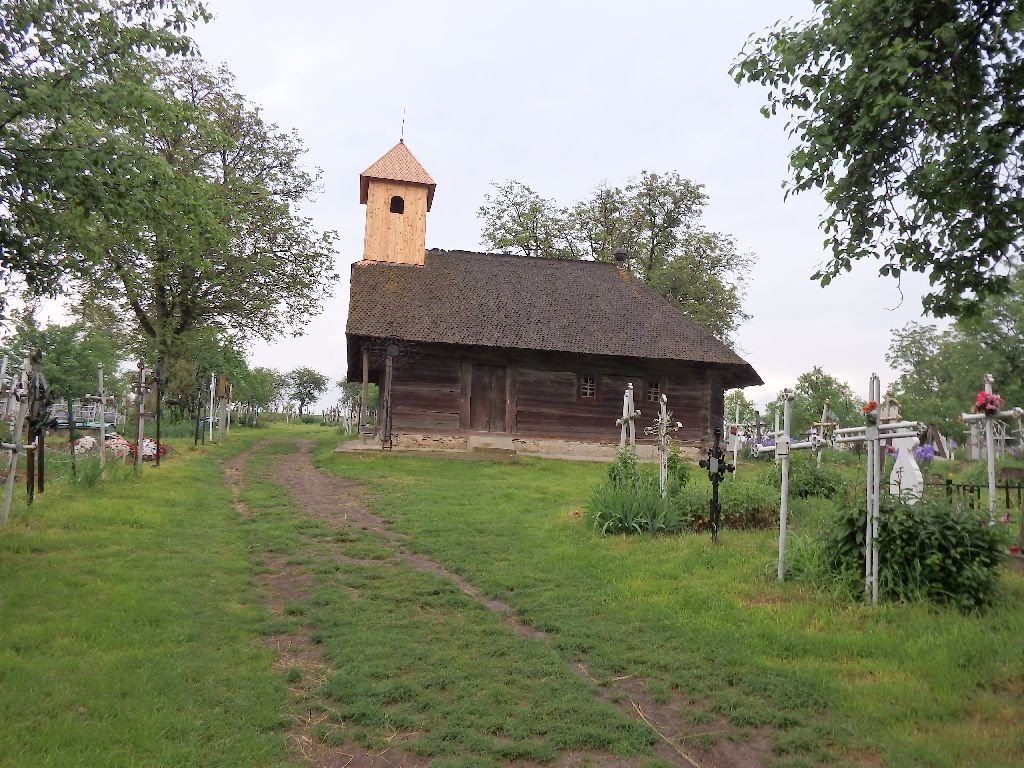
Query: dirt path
{"points": [[337, 503]]}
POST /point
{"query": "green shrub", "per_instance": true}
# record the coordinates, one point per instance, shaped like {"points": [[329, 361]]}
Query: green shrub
{"points": [[631, 508], [743, 505], [932, 550], [678, 469], [625, 470], [834, 456], [630, 501], [806, 478]]}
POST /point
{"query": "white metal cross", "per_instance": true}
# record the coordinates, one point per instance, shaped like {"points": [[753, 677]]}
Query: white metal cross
{"points": [[874, 435], [663, 428], [989, 419], [783, 445]]}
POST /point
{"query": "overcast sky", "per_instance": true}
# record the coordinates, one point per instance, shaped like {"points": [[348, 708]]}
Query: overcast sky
{"points": [[560, 96]]}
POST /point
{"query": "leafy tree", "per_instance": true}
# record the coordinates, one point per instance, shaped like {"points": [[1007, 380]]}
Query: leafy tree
{"points": [[306, 386], [74, 75], [909, 114], [71, 354], [939, 374], [227, 254], [736, 397], [655, 217], [809, 394], [351, 391], [186, 371], [257, 388]]}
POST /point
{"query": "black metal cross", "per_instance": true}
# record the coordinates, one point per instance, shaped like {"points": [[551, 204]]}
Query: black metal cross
{"points": [[716, 466]]}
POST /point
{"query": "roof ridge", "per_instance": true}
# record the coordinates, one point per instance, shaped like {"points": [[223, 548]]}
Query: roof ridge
{"points": [[549, 259]]}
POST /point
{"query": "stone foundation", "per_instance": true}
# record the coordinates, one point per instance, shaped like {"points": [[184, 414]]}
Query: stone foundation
{"points": [[554, 448]]}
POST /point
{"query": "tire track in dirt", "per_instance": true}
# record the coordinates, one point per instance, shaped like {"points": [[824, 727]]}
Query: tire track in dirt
{"points": [[337, 502], [282, 582]]}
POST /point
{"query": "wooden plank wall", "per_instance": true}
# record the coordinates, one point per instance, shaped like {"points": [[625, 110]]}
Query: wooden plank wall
{"points": [[425, 394], [431, 393], [395, 237]]}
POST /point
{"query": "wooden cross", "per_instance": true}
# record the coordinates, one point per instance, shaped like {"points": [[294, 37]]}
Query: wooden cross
{"points": [[821, 428], [100, 398], [629, 416], [988, 418], [20, 390], [874, 435]]}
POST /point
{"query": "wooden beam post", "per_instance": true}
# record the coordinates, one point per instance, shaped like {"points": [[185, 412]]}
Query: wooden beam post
{"points": [[364, 396]]}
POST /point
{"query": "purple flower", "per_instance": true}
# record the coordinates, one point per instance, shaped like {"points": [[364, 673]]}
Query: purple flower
{"points": [[924, 453]]}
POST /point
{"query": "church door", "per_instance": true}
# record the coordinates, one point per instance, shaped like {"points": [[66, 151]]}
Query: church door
{"points": [[487, 399]]}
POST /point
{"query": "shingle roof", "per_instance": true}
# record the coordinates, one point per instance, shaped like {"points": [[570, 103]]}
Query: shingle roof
{"points": [[493, 300], [398, 164]]}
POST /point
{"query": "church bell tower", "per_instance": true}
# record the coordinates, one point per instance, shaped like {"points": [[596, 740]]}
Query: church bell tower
{"points": [[397, 193]]}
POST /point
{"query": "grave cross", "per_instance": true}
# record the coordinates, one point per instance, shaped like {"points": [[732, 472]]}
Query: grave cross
{"points": [[874, 435], [716, 466], [822, 427], [20, 390], [38, 411], [783, 445], [629, 416], [662, 429], [101, 398], [141, 387], [988, 413]]}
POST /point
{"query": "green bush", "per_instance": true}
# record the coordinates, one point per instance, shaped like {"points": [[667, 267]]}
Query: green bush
{"points": [[630, 501], [806, 478], [678, 469], [625, 470], [631, 508], [932, 550], [743, 505]]}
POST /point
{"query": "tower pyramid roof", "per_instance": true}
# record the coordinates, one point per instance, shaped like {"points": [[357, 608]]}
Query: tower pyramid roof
{"points": [[398, 164]]}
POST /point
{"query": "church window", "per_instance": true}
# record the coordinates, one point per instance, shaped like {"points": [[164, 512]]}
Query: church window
{"points": [[588, 387], [397, 204], [653, 391]]}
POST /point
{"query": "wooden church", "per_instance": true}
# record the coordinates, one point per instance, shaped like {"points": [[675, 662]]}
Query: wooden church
{"points": [[533, 354]]}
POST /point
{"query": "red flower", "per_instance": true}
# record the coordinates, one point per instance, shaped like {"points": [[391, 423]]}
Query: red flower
{"points": [[988, 403], [868, 407]]}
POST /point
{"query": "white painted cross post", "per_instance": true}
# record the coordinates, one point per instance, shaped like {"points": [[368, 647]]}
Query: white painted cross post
{"points": [[734, 435], [781, 449], [822, 427], [663, 428], [3, 396], [140, 413], [100, 399], [988, 416], [874, 435], [213, 387], [629, 416]]}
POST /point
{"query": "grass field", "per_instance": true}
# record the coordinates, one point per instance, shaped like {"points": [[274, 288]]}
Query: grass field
{"points": [[912, 685], [126, 626], [132, 628]]}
